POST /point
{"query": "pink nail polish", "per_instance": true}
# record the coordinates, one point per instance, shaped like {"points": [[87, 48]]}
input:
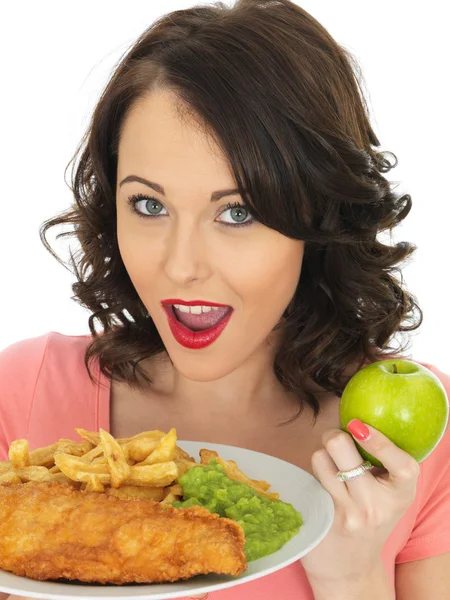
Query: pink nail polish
{"points": [[358, 430]]}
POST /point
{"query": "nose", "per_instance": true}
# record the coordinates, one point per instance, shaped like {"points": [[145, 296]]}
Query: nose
{"points": [[186, 256]]}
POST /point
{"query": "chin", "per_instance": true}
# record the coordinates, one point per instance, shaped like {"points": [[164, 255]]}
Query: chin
{"points": [[203, 370]]}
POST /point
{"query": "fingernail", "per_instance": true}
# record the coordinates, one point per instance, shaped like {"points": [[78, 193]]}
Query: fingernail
{"points": [[358, 430]]}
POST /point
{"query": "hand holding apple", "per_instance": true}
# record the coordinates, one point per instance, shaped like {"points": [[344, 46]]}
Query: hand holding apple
{"points": [[403, 400]]}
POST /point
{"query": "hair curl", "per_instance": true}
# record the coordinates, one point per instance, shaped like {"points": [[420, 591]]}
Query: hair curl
{"points": [[284, 102]]}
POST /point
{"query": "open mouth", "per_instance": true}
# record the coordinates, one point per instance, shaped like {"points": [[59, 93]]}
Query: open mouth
{"points": [[197, 331], [202, 321]]}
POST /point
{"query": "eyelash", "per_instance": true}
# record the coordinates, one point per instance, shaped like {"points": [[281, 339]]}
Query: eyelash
{"points": [[133, 200]]}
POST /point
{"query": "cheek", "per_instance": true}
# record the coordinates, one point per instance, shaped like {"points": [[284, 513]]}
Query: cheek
{"points": [[269, 274], [135, 252]]}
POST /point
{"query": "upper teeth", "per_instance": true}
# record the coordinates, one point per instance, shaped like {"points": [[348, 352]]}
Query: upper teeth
{"points": [[195, 310]]}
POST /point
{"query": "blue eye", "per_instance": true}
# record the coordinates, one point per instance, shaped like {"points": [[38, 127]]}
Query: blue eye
{"points": [[239, 208], [152, 204]]}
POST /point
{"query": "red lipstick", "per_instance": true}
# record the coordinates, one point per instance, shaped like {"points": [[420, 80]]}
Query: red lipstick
{"points": [[194, 340], [171, 301]]}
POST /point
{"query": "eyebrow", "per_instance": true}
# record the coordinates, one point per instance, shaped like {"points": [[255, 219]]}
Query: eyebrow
{"points": [[159, 188]]}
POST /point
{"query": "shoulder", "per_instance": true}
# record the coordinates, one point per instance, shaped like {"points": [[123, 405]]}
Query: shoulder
{"points": [[20, 363], [443, 376], [444, 379], [23, 349], [430, 531], [22, 360], [435, 469], [43, 365]]}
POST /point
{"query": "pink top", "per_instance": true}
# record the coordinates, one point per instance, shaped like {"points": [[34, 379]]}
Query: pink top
{"points": [[45, 392]]}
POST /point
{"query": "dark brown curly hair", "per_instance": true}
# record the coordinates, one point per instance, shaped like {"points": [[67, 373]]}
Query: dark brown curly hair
{"points": [[284, 101]]}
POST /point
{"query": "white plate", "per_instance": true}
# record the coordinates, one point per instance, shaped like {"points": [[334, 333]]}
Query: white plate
{"points": [[294, 485]]}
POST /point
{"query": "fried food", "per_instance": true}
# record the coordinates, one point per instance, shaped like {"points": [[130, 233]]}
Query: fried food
{"points": [[50, 530], [100, 511], [146, 465]]}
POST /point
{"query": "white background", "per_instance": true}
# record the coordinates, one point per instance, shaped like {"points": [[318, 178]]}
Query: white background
{"points": [[56, 58]]}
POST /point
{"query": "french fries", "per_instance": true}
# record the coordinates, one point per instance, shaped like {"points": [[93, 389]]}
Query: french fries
{"points": [[147, 465], [19, 454], [116, 458]]}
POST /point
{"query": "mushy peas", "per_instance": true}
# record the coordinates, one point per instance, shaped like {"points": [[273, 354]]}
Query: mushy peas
{"points": [[267, 524]]}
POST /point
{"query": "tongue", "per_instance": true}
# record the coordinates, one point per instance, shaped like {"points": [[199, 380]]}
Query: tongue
{"points": [[203, 320]]}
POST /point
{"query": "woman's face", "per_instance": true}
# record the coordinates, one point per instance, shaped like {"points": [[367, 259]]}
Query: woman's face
{"points": [[194, 249]]}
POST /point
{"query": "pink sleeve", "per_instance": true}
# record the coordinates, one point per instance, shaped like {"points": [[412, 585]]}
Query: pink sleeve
{"points": [[20, 364], [431, 533]]}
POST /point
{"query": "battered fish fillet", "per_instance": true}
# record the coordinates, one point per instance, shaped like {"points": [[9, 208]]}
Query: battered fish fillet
{"points": [[50, 531]]}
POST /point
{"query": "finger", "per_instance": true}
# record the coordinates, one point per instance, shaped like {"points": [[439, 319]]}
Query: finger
{"points": [[402, 467], [325, 471], [342, 449]]}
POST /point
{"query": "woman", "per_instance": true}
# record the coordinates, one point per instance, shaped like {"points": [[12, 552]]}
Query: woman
{"points": [[230, 161]]}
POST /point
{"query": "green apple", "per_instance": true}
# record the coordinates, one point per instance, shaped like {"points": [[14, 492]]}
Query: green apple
{"points": [[402, 399]]}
